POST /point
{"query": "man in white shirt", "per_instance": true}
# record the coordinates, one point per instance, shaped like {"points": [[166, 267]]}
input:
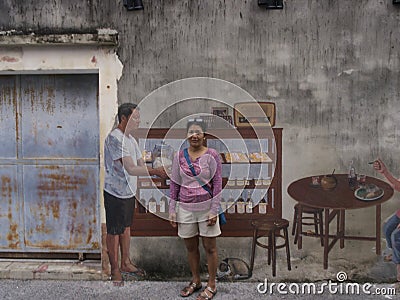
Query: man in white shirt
{"points": [[123, 163]]}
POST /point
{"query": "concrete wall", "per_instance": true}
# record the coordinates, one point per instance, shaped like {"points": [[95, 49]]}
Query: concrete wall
{"points": [[331, 67]]}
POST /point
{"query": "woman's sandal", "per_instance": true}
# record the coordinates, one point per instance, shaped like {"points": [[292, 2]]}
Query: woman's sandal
{"points": [[207, 294], [190, 289]]}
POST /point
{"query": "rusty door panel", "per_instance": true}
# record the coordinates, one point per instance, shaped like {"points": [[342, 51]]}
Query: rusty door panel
{"points": [[61, 207], [8, 122], [49, 163], [10, 210], [60, 116]]}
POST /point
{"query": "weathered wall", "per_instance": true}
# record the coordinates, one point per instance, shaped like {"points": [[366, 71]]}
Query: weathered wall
{"points": [[332, 67], [327, 64]]}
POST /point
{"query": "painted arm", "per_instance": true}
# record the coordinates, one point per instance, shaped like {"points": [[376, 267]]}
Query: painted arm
{"points": [[381, 168], [140, 169]]}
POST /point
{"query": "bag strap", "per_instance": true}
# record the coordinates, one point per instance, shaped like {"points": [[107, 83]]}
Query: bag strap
{"points": [[191, 167]]}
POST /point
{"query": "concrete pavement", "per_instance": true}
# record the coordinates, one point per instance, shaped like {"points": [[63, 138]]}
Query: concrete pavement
{"points": [[99, 290], [51, 269], [73, 279], [60, 279]]}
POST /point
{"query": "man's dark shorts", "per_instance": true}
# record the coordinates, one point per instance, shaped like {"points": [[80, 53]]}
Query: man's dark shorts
{"points": [[119, 213]]}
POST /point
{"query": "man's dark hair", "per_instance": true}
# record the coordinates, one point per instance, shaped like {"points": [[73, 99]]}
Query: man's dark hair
{"points": [[198, 122], [125, 110]]}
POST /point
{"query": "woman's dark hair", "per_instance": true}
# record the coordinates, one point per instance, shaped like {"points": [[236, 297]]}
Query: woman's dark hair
{"points": [[125, 110], [198, 122]]}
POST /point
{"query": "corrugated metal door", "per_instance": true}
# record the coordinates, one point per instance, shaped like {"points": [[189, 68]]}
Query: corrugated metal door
{"points": [[49, 163]]}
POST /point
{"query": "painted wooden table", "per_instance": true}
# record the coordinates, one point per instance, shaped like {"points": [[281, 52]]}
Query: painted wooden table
{"points": [[335, 202]]}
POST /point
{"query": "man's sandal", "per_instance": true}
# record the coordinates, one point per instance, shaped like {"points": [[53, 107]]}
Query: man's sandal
{"points": [[135, 275], [190, 289], [207, 294], [138, 274], [117, 282]]}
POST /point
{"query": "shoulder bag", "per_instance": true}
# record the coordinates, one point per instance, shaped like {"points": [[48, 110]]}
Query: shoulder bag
{"points": [[222, 218]]}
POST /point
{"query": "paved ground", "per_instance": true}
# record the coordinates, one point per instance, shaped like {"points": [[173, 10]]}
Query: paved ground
{"points": [[61, 279], [40, 279], [50, 269], [55, 289]]}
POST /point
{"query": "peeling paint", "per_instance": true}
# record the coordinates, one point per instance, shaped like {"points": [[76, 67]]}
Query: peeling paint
{"points": [[348, 72], [9, 59]]}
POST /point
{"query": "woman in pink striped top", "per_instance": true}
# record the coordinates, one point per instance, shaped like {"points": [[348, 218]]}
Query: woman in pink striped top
{"points": [[194, 209]]}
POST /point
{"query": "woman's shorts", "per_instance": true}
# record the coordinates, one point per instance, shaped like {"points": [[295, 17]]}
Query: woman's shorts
{"points": [[119, 213], [193, 223]]}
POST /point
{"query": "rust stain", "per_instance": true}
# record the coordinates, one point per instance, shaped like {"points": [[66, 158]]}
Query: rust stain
{"points": [[6, 188], [30, 94], [89, 237], [42, 228], [43, 244], [49, 244], [5, 179], [45, 210], [73, 209], [78, 233], [59, 199], [50, 168], [6, 193], [42, 210], [13, 236], [94, 60], [14, 245], [52, 184], [55, 208], [50, 103]]}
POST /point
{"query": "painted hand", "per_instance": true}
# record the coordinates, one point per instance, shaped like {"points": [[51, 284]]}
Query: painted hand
{"points": [[379, 166]]}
